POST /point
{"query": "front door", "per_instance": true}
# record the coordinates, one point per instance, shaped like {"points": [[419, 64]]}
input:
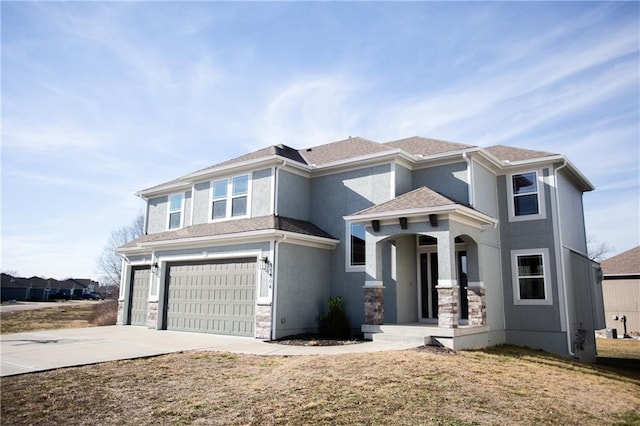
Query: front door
{"points": [[428, 283]]}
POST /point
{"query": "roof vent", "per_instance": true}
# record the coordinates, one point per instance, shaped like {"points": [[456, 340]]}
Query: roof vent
{"points": [[309, 149]]}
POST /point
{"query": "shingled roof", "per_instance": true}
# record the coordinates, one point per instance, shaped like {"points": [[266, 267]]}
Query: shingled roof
{"points": [[341, 150], [234, 227], [509, 153], [418, 145], [626, 263], [421, 198]]}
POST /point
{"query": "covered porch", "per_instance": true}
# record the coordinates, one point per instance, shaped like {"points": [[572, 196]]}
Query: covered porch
{"points": [[423, 268]]}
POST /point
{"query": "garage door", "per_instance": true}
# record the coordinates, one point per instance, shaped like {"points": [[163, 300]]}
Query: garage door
{"points": [[139, 295], [215, 297]]}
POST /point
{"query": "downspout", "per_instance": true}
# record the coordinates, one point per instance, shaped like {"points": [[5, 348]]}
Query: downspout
{"points": [[560, 253], [274, 319]]}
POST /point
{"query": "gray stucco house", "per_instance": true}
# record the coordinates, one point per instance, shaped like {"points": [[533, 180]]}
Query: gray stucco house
{"points": [[424, 239]]}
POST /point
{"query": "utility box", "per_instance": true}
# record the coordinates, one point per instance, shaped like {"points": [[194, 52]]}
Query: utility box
{"points": [[611, 333]]}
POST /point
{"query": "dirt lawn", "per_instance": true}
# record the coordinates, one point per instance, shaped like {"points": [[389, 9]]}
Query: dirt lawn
{"points": [[503, 385]]}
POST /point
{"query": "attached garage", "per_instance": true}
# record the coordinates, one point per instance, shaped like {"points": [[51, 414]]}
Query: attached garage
{"points": [[212, 297], [139, 295]]}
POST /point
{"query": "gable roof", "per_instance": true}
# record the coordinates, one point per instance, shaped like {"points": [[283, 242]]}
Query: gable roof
{"points": [[232, 227], [417, 145], [341, 150], [509, 153], [626, 263], [420, 198], [270, 151], [421, 203]]}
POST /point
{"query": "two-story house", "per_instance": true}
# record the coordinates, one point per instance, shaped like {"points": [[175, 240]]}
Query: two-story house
{"points": [[422, 238]]}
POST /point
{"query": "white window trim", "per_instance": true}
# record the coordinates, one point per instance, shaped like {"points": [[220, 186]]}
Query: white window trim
{"points": [[347, 255], [229, 198], [169, 211], [548, 300], [541, 205]]}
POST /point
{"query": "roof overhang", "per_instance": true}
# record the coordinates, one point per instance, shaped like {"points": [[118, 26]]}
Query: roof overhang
{"points": [[258, 236], [455, 212]]}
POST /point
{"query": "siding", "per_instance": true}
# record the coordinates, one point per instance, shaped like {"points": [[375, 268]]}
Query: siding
{"points": [[201, 197], [571, 215], [622, 297], [261, 193], [293, 195], [531, 234], [302, 288], [157, 220], [333, 197], [450, 180]]}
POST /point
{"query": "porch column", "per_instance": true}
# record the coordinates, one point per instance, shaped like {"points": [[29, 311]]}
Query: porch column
{"points": [[477, 304], [448, 288], [373, 288]]}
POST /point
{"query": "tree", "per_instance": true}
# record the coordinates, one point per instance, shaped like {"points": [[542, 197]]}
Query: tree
{"points": [[597, 250], [109, 263]]}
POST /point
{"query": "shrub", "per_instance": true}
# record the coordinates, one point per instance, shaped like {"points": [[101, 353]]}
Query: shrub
{"points": [[105, 313], [334, 322]]}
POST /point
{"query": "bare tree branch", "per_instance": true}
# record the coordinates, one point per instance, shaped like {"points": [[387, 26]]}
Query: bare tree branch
{"points": [[109, 263], [597, 250]]}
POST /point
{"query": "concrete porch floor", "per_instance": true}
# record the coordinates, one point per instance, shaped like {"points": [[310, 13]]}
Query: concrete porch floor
{"points": [[461, 337]]}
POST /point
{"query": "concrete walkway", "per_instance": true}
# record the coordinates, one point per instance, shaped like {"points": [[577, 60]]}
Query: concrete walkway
{"points": [[46, 350]]}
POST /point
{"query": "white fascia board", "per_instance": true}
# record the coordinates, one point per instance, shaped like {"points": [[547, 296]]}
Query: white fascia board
{"points": [[444, 157], [581, 179], [455, 211], [225, 239], [359, 218]]}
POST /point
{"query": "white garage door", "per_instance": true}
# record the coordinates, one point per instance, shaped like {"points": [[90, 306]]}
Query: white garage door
{"points": [[214, 297], [139, 295]]}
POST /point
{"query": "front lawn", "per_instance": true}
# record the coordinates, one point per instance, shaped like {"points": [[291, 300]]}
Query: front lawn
{"points": [[502, 385]]}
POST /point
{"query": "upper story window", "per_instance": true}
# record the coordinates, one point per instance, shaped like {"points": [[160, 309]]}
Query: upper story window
{"points": [[230, 197], [175, 211], [527, 198], [531, 277]]}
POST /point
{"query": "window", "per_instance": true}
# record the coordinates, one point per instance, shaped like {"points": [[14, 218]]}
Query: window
{"points": [[175, 211], [527, 197], [230, 197], [531, 277], [239, 190], [219, 208], [357, 245]]}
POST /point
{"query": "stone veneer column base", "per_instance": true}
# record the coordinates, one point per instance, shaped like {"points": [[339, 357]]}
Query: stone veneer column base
{"points": [[120, 317], [263, 322], [448, 306], [373, 305], [152, 315], [477, 306]]}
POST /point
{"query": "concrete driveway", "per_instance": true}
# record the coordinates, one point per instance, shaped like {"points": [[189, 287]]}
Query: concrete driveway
{"points": [[50, 349]]}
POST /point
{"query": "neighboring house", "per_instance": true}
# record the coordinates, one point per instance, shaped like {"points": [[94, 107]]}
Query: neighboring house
{"points": [[13, 288], [39, 289], [621, 290], [423, 239]]}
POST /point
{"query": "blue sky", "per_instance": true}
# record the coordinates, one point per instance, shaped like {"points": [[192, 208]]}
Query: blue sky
{"points": [[100, 100]]}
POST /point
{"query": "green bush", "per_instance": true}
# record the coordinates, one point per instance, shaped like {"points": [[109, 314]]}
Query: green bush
{"points": [[334, 322]]}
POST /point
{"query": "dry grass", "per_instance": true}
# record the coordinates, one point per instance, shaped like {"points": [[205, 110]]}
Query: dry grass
{"points": [[503, 385], [76, 315]]}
